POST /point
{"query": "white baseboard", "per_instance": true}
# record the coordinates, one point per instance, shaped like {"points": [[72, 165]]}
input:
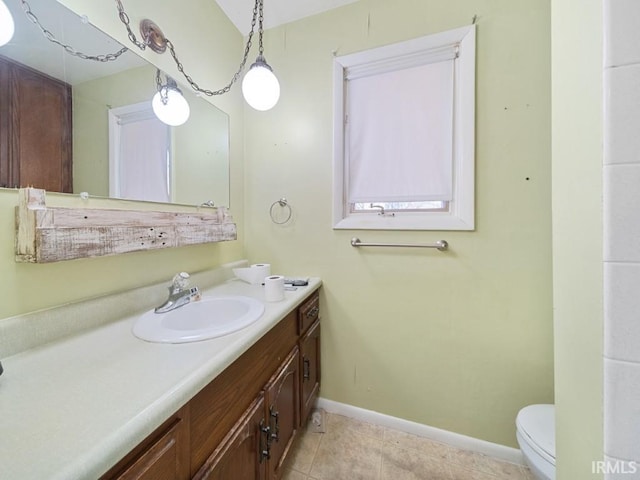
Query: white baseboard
{"points": [[501, 452]]}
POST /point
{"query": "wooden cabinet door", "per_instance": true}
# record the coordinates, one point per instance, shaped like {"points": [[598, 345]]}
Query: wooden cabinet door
{"points": [[283, 411], [35, 143], [242, 455], [164, 455], [309, 371]]}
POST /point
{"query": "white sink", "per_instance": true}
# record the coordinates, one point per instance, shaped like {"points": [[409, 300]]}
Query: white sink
{"points": [[207, 318]]}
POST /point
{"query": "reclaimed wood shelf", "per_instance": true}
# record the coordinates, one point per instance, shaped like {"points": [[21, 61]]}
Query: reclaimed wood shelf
{"points": [[52, 234]]}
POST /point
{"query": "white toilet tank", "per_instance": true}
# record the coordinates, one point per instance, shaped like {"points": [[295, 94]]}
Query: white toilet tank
{"points": [[535, 431]]}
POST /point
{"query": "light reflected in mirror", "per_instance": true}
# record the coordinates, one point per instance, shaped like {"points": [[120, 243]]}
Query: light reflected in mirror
{"points": [[118, 148]]}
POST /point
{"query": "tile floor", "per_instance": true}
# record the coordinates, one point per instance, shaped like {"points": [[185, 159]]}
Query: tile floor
{"points": [[355, 450]]}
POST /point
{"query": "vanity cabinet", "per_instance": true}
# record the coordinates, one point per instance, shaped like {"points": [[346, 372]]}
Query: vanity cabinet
{"points": [[35, 129], [256, 446], [162, 456], [241, 426], [309, 330]]}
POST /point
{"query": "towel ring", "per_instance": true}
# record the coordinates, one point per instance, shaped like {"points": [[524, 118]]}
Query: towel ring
{"points": [[284, 204]]}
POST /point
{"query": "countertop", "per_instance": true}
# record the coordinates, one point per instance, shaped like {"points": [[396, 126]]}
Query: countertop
{"points": [[72, 408]]}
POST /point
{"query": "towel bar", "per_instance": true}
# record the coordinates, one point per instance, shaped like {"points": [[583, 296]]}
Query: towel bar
{"points": [[441, 245]]}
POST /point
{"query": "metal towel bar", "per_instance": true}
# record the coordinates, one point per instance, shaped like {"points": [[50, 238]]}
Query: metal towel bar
{"points": [[441, 245]]}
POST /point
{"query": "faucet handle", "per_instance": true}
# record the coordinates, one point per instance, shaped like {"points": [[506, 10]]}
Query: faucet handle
{"points": [[181, 281]]}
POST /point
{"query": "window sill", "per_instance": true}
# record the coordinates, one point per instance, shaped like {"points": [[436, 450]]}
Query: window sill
{"points": [[404, 221]]}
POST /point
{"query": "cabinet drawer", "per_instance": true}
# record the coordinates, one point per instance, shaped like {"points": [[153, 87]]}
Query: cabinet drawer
{"points": [[308, 313]]}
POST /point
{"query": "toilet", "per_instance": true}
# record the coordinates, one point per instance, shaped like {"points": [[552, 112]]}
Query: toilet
{"points": [[535, 431]]}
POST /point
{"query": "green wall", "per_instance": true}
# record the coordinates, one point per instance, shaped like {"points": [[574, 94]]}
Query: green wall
{"points": [[577, 234], [192, 28], [459, 340]]}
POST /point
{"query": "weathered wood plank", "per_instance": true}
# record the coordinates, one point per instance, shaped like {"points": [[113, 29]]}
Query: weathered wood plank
{"points": [[30, 201], [82, 217], [46, 235]]}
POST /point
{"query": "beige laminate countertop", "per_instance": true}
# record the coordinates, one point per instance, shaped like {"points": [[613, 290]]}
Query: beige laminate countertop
{"points": [[72, 408]]}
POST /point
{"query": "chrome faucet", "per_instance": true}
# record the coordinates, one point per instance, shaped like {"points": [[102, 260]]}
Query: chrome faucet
{"points": [[179, 294]]}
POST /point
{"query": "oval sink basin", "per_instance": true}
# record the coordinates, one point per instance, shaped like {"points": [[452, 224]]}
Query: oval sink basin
{"points": [[207, 318]]}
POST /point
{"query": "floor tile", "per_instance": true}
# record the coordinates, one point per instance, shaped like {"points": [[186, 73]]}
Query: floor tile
{"points": [[355, 450], [465, 458], [293, 475], [364, 428], [411, 464], [458, 472], [526, 474], [346, 453], [503, 470], [303, 451], [407, 440]]}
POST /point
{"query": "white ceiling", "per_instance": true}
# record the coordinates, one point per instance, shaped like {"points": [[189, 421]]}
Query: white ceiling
{"points": [[276, 12]]}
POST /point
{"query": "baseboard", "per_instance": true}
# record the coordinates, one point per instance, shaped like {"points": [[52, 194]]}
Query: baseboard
{"points": [[501, 452]]}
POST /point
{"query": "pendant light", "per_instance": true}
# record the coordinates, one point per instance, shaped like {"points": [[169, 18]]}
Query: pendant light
{"points": [[168, 103], [260, 87]]}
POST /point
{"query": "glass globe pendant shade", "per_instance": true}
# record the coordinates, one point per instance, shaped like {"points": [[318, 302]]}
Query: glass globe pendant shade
{"points": [[174, 111], [7, 26], [260, 86]]}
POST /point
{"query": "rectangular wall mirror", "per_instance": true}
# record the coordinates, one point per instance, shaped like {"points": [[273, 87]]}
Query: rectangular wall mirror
{"points": [[74, 125]]}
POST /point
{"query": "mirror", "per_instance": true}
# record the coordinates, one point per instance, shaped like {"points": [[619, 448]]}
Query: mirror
{"points": [[110, 102]]}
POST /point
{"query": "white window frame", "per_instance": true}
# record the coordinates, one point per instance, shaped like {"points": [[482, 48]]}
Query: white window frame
{"points": [[461, 214]]}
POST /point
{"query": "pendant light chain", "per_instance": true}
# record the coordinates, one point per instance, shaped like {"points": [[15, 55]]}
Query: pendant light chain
{"points": [[260, 29], [124, 18], [257, 15], [109, 57], [161, 88]]}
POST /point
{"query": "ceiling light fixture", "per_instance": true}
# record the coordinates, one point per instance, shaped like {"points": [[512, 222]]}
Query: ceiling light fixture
{"points": [[7, 26], [168, 103], [260, 86]]}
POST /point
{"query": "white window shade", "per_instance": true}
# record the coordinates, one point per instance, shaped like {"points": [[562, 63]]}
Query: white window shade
{"points": [[400, 134], [143, 165]]}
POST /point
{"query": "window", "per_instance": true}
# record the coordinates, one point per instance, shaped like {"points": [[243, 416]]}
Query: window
{"points": [[404, 135], [139, 154]]}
